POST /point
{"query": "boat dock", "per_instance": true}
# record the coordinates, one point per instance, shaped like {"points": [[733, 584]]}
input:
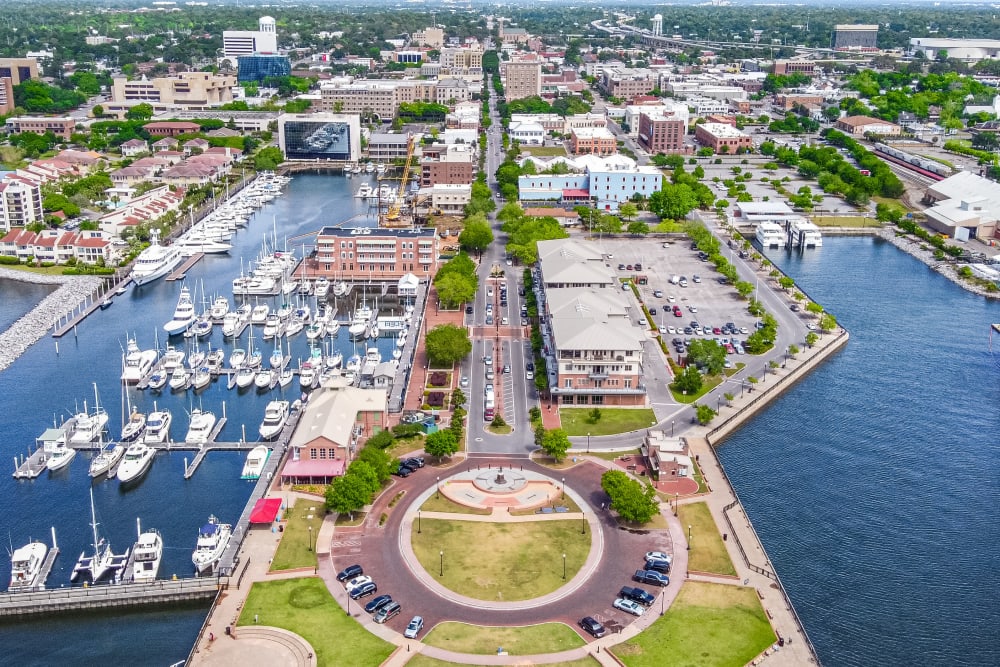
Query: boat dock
{"points": [[68, 322], [31, 466], [181, 271], [102, 597]]}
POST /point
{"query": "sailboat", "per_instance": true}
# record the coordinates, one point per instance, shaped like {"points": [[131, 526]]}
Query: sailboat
{"points": [[109, 457], [102, 561], [89, 425], [254, 357]]}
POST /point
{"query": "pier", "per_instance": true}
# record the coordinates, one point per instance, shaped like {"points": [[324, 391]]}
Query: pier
{"points": [[68, 323], [31, 466], [181, 271], [14, 605]]}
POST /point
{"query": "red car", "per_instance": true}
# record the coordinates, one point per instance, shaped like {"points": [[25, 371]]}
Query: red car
{"points": [[678, 313]]}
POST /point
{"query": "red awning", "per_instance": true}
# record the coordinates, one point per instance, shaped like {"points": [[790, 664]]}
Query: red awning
{"points": [[572, 193], [314, 468], [265, 510]]}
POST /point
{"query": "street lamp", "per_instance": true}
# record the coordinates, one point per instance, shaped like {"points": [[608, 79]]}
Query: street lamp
{"points": [[418, 522], [442, 562], [563, 487], [583, 523], [689, 538], [663, 602], [671, 428], [564, 567], [588, 443], [676, 496], [310, 537], [437, 494]]}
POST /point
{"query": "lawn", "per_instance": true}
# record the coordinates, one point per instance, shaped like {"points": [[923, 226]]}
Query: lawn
{"points": [[295, 549], [611, 456], [347, 520], [401, 447], [709, 625], [708, 553], [439, 503], [576, 421], [304, 606], [501, 561], [421, 660], [545, 151], [523, 640], [41, 270], [503, 429], [845, 221]]}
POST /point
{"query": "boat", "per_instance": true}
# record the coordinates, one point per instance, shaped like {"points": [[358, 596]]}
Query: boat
{"points": [[256, 460], [26, 566], [341, 289], [158, 380], [289, 286], [335, 360], [332, 327], [213, 538], [245, 377], [237, 357], [259, 313], [804, 234], [397, 354], [307, 376], [138, 458], [137, 362], [60, 457], [254, 357], [102, 561], [286, 378], [201, 378], [134, 427], [770, 235], [285, 311], [263, 379], [184, 314], [220, 308], [359, 323], [293, 327], [155, 261], [214, 361], [353, 364], [321, 287], [147, 553], [369, 168], [200, 430], [88, 426], [231, 324], [109, 457], [272, 326], [202, 327], [196, 243], [157, 427], [364, 192], [316, 330], [179, 379], [401, 339], [275, 416], [277, 358], [107, 303], [173, 358]]}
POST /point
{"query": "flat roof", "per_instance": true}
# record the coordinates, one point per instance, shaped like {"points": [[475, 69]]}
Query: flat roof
{"points": [[375, 231]]}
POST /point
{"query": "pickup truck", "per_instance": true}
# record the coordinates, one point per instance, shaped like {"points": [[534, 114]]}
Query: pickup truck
{"points": [[637, 594]]}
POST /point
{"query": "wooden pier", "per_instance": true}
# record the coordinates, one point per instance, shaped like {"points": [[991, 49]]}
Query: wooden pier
{"points": [[102, 596], [180, 272], [31, 466]]}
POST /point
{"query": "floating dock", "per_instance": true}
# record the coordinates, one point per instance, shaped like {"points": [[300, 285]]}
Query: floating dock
{"points": [[31, 466], [181, 271]]}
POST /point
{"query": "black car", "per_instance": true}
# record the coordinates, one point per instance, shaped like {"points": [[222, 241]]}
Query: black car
{"points": [[403, 471], [639, 595], [658, 565], [364, 590], [350, 572], [592, 626], [378, 603], [652, 310], [530, 366], [468, 310], [414, 462], [651, 577]]}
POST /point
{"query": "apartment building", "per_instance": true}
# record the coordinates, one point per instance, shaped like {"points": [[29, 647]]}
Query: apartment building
{"points": [[626, 82], [455, 165], [661, 130], [722, 137], [522, 78], [782, 67], [431, 37], [383, 96], [550, 122], [375, 254], [186, 90], [461, 61], [450, 198], [592, 140], [20, 202], [61, 127]]}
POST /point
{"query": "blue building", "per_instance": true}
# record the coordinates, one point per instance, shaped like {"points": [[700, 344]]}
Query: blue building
{"points": [[607, 188], [258, 67]]}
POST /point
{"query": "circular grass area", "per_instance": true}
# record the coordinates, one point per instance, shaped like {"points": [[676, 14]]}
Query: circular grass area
{"points": [[501, 561], [516, 640]]}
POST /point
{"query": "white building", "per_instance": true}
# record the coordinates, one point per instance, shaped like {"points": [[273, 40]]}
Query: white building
{"points": [[527, 133], [968, 50], [248, 42]]}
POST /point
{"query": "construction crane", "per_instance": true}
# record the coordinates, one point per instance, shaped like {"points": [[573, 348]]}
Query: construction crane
{"points": [[392, 214]]}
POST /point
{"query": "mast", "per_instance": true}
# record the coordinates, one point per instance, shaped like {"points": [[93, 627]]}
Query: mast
{"points": [[93, 524]]}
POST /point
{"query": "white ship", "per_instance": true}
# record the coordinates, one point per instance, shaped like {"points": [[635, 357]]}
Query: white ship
{"points": [[184, 314], [155, 261], [213, 538], [147, 553], [256, 460], [26, 565], [137, 362], [770, 235], [805, 234], [202, 423], [138, 458], [275, 417]]}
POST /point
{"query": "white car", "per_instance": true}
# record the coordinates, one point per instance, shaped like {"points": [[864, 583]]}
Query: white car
{"points": [[414, 628], [659, 555], [671, 299], [629, 606], [357, 581], [744, 330], [662, 330], [693, 309], [465, 381]]}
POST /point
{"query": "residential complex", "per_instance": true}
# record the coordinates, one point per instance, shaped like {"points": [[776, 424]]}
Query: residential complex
{"points": [[375, 254], [20, 202], [61, 127]]}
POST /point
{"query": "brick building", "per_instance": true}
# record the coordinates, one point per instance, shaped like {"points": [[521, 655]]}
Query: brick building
{"points": [[722, 138], [367, 253], [660, 131]]}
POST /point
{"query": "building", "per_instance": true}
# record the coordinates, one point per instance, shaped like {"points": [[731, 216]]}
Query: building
{"points": [[963, 206], [244, 121], [661, 131], [237, 43], [375, 254], [594, 140], [388, 146], [461, 61], [324, 136], [667, 456], [859, 126], [169, 128], [258, 66], [526, 132], [6, 96], [133, 147], [522, 78], [455, 165], [756, 212], [431, 37], [549, 122], [335, 422], [608, 189], [14, 71], [595, 346], [789, 102], [61, 127], [967, 50], [450, 198], [512, 35], [186, 90], [782, 67], [20, 202], [627, 83], [604, 182], [854, 36], [382, 97], [722, 137]]}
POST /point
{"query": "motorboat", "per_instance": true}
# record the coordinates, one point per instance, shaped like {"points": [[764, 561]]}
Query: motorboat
{"points": [[213, 538], [286, 378], [157, 427], [307, 376], [256, 460], [321, 287], [107, 459], [237, 357], [200, 430], [26, 566], [804, 234], [220, 308], [272, 326], [364, 192], [263, 379], [202, 327], [173, 358], [155, 261], [290, 286], [245, 377], [214, 361], [277, 358], [359, 323], [201, 378], [401, 339], [341, 289], [184, 314], [197, 358], [305, 288], [285, 311], [134, 427], [179, 379], [138, 457], [147, 554], [259, 313], [88, 426], [275, 417], [102, 561], [373, 331], [397, 354], [369, 168], [137, 362], [293, 327], [353, 364], [334, 360], [60, 457], [231, 324], [332, 327], [158, 380], [201, 243], [770, 235]]}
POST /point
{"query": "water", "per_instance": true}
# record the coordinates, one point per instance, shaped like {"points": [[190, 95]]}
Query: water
{"points": [[41, 387], [872, 483], [18, 298]]}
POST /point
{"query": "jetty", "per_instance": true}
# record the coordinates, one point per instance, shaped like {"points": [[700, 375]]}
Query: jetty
{"points": [[78, 598], [181, 271]]}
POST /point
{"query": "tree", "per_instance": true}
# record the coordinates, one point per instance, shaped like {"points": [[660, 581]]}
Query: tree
{"points": [[827, 322], [141, 111], [555, 443], [709, 354], [447, 344], [688, 381], [632, 501], [704, 414], [786, 283], [364, 471], [98, 111], [628, 211], [454, 289], [744, 288], [268, 159], [377, 458], [637, 227], [441, 443], [811, 338], [477, 235], [347, 494], [814, 308]]}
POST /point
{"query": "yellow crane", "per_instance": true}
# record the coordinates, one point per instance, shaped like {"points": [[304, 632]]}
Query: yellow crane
{"points": [[392, 214]]}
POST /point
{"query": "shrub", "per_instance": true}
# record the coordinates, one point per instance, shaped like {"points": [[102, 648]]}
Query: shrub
{"points": [[435, 399], [438, 379], [8, 259]]}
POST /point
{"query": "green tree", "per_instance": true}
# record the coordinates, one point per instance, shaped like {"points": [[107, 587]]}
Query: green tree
{"points": [[366, 473], [141, 111], [786, 283], [555, 443], [634, 502], [814, 308], [447, 344], [454, 289], [689, 380], [811, 338], [268, 159], [378, 459], [637, 228], [477, 235], [347, 494], [704, 414], [707, 353], [827, 322], [441, 444], [628, 211], [744, 288]]}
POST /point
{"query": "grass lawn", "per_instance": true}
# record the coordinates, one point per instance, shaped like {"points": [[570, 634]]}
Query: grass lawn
{"points": [[709, 625], [304, 606], [345, 519], [442, 504], [501, 561], [576, 421], [611, 456], [544, 151], [523, 640], [543, 459], [41, 270], [400, 447], [421, 660], [504, 429], [294, 549], [708, 553], [845, 221], [708, 383]]}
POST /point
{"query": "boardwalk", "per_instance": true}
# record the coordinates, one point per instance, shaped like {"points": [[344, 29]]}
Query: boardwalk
{"points": [[405, 366], [101, 597], [180, 272]]}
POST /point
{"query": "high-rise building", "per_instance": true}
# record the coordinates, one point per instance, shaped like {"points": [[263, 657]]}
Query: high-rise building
{"points": [[522, 78], [258, 67], [855, 36], [237, 43], [14, 71]]}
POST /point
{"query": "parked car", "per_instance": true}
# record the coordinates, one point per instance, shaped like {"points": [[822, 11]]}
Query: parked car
{"points": [[414, 462], [403, 471], [350, 572], [696, 278], [651, 577], [364, 590], [465, 381], [387, 612], [639, 595], [377, 603], [659, 555], [529, 375], [357, 581], [658, 565], [489, 320], [621, 267], [468, 310], [629, 606], [652, 310], [658, 294], [592, 626], [414, 628], [794, 307], [506, 368]]}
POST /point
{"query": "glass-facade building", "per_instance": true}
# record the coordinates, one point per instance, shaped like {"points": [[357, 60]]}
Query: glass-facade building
{"points": [[258, 67], [305, 140]]}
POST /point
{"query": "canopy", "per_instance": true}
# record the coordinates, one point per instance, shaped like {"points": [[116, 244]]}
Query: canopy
{"points": [[265, 510]]}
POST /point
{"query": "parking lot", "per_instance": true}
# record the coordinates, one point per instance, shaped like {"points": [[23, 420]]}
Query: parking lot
{"points": [[704, 300]]}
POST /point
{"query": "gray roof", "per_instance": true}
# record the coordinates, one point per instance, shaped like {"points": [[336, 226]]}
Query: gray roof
{"points": [[584, 319]]}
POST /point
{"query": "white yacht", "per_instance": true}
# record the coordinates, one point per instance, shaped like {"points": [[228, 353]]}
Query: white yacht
{"points": [[155, 261], [109, 457], [805, 234], [293, 327], [134, 427], [213, 538], [220, 308], [146, 556], [259, 313], [88, 426], [275, 417], [184, 314], [173, 358], [364, 192], [158, 380], [321, 287], [263, 378], [192, 245], [334, 360], [201, 378], [286, 377], [245, 377], [341, 288], [272, 326], [237, 357], [316, 330], [25, 566], [359, 323], [179, 379], [138, 458], [255, 462], [770, 235], [202, 423], [157, 427], [230, 324], [103, 560], [60, 457], [307, 376], [137, 362]]}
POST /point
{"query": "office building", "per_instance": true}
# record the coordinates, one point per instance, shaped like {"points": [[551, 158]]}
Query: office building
{"points": [[661, 130], [456, 61], [855, 37], [522, 78], [375, 254], [258, 67], [186, 90], [722, 137], [320, 136], [61, 127], [431, 37], [237, 43]]}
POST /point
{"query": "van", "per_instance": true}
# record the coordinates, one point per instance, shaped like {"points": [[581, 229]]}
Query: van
{"points": [[387, 612], [625, 287], [674, 280]]}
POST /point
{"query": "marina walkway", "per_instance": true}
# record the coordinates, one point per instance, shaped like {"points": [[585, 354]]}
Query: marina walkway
{"points": [[181, 271], [407, 361], [102, 597]]}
